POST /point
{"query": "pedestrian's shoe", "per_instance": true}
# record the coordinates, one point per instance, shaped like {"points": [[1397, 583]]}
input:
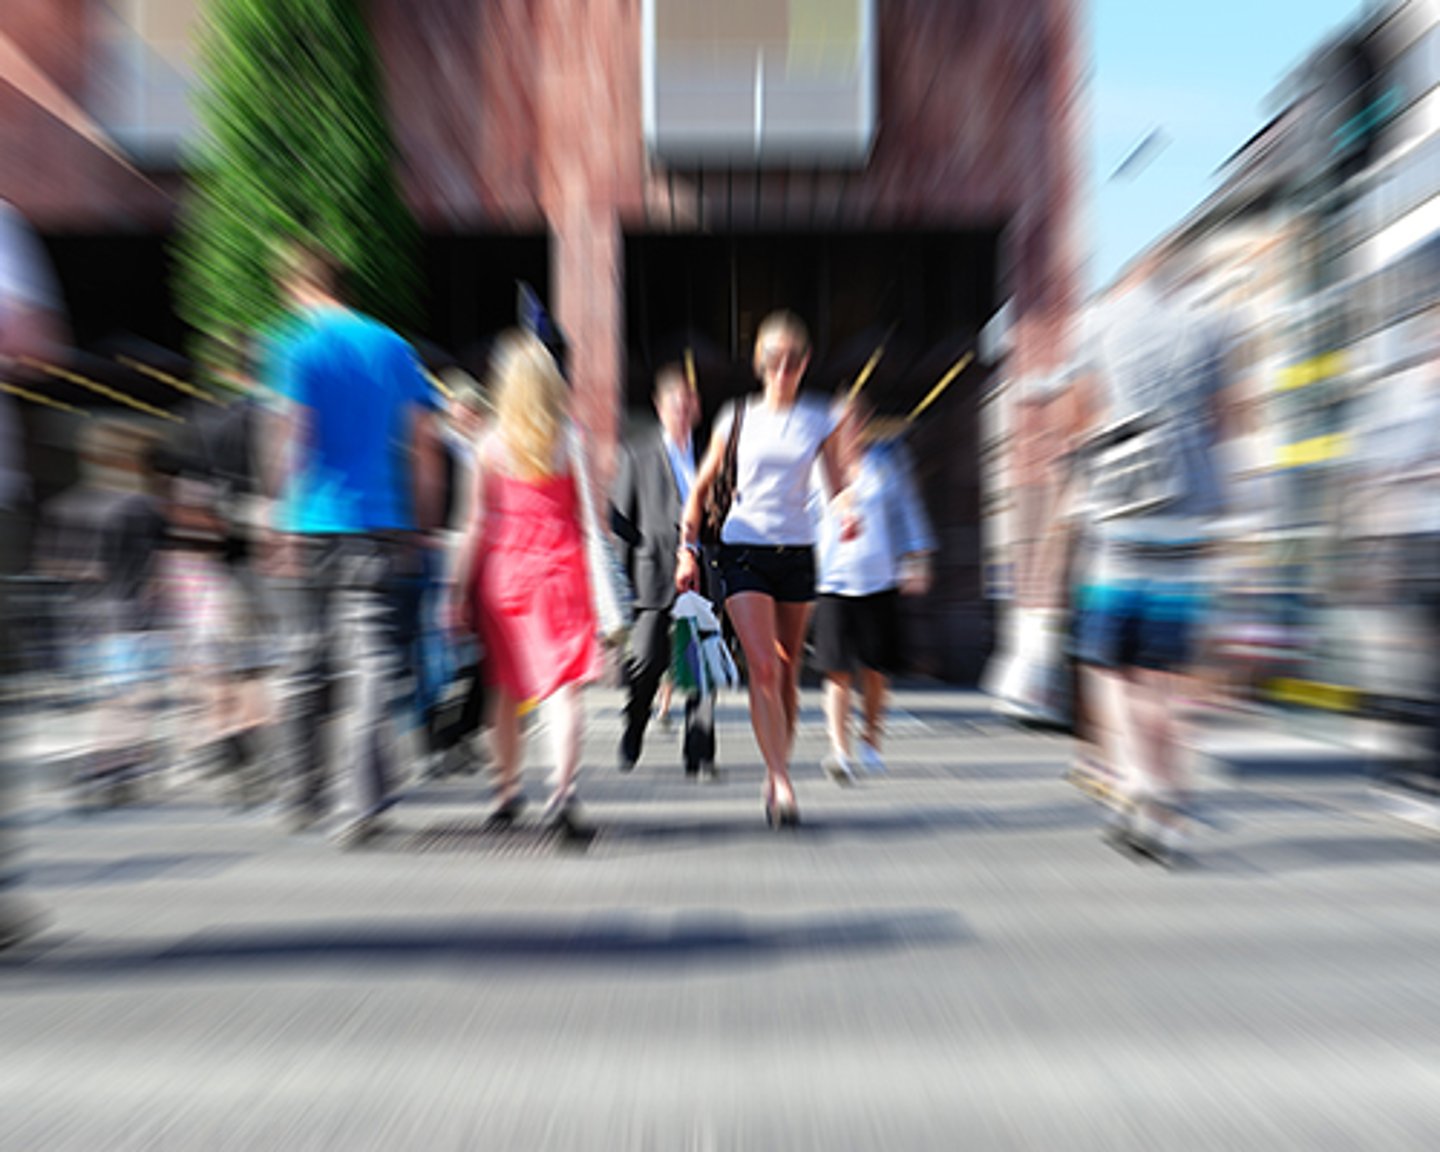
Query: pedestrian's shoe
{"points": [[358, 833], [562, 817], [708, 773], [624, 761], [871, 762], [1151, 830], [507, 812], [781, 811], [838, 767]]}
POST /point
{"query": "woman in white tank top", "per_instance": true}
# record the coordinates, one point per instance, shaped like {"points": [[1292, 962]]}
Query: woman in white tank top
{"points": [[767, 542]]}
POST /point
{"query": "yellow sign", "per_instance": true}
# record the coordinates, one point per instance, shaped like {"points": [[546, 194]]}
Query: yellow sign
{"points": [[1312, 371], [1312, 694], [1316, 450]]}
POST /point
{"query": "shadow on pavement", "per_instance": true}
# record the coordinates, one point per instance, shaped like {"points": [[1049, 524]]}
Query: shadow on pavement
{"points": [[131, 869], [614, 939]]}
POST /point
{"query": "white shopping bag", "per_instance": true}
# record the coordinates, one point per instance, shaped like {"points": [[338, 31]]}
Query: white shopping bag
{"points": [[715, 666]]}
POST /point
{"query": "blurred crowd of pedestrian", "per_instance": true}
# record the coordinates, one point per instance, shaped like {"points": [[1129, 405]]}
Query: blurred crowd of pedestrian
{"points": [[350, 574], [343, 573]]}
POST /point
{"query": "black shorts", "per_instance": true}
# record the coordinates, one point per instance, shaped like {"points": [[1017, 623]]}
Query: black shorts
{"points": [[785, 572], [853, 632]]}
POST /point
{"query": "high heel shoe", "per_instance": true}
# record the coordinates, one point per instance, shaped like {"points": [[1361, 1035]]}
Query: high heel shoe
{"points": [[507, 812], [562, 817], [781, 813]]}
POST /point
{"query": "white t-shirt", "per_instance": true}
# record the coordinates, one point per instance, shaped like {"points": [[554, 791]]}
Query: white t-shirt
{"points": [[893, 524], [1160, 362], [776, 458]]}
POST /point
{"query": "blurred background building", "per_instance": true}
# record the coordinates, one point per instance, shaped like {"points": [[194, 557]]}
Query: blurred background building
{"points": [[1323, 241], [1320, 246], [664, 172]]}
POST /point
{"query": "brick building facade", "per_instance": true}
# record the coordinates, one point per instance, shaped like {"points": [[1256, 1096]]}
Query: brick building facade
{"points": [[518, 122]]}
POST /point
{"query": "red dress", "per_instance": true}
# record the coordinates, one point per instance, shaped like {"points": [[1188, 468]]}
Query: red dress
{"points": [[532, 588]]}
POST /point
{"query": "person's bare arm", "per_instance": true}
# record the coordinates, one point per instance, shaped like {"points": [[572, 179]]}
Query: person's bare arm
{"points": [[1068, 487], [464, 565], [687, 562], [427, 472], [838, 482]]}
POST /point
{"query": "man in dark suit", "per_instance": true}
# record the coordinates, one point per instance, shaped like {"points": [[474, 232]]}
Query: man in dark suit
{"points": [[656, 473]]}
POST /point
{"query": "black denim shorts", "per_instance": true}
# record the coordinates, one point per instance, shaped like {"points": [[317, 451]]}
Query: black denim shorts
{"points": [[854, 632], [784, 572]]}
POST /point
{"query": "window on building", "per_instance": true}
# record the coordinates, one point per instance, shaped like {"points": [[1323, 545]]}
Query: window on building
{"points": [[144, 76], [760, 82]]}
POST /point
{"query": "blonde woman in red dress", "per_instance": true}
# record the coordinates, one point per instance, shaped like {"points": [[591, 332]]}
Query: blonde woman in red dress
{"points": [[529, 594]]}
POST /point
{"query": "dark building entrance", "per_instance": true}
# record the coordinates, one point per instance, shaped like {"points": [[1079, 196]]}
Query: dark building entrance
{"points": [[470, 289], [117, 289]]}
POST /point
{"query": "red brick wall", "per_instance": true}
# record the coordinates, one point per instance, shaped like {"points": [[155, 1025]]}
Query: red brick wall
{"points": [[56, 177]]}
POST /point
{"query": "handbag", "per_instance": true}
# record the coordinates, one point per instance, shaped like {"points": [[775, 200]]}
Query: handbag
{"points": [[722, 491], [610, 595]]}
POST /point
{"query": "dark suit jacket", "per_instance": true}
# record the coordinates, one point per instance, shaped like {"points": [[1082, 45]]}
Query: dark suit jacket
{"points": [[645, 515]]}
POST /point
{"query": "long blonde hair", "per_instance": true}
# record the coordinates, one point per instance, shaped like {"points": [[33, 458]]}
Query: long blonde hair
{"points": [[531, 404]]}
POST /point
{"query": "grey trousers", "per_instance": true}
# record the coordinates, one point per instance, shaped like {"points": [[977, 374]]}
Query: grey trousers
{"points": [[357, 610]]}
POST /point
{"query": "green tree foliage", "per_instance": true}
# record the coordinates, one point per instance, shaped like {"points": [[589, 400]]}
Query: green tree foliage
{"points": [[294, 142]]}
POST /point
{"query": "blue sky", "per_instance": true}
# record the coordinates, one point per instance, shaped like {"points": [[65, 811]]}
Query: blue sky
{"points": [[1198, 71]]}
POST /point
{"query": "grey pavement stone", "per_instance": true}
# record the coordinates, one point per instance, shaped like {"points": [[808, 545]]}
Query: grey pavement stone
{"points": [[944, 956], [1296, 743]]}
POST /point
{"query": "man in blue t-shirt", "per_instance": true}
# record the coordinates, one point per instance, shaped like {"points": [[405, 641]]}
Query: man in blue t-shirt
{"points": [[358, 446]]}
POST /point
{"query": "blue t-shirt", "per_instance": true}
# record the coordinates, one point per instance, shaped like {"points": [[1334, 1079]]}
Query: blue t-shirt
{"points": [[360, 386]]}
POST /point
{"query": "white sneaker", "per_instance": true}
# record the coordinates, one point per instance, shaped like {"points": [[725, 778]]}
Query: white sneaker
{"points": [[871, 761], [838, 767]]}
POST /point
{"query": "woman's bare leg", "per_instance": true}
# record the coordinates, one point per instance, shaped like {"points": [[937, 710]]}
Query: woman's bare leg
{"points": [[837, 711], [874, 688], [752, 614], [792, 621], [505, 730], [566, 714]]}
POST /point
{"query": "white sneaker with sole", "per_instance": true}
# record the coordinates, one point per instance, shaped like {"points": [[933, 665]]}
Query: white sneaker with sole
{"points": [[871, 762]]}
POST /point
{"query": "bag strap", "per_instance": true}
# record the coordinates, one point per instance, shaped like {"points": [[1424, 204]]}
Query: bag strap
{"points": [[732, 446]]}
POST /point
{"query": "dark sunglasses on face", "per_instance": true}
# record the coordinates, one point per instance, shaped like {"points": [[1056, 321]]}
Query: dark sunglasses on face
{"points": [[784, 362]]}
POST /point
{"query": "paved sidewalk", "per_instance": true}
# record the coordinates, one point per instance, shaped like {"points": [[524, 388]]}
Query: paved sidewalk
{"points": [[946, 956]]}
